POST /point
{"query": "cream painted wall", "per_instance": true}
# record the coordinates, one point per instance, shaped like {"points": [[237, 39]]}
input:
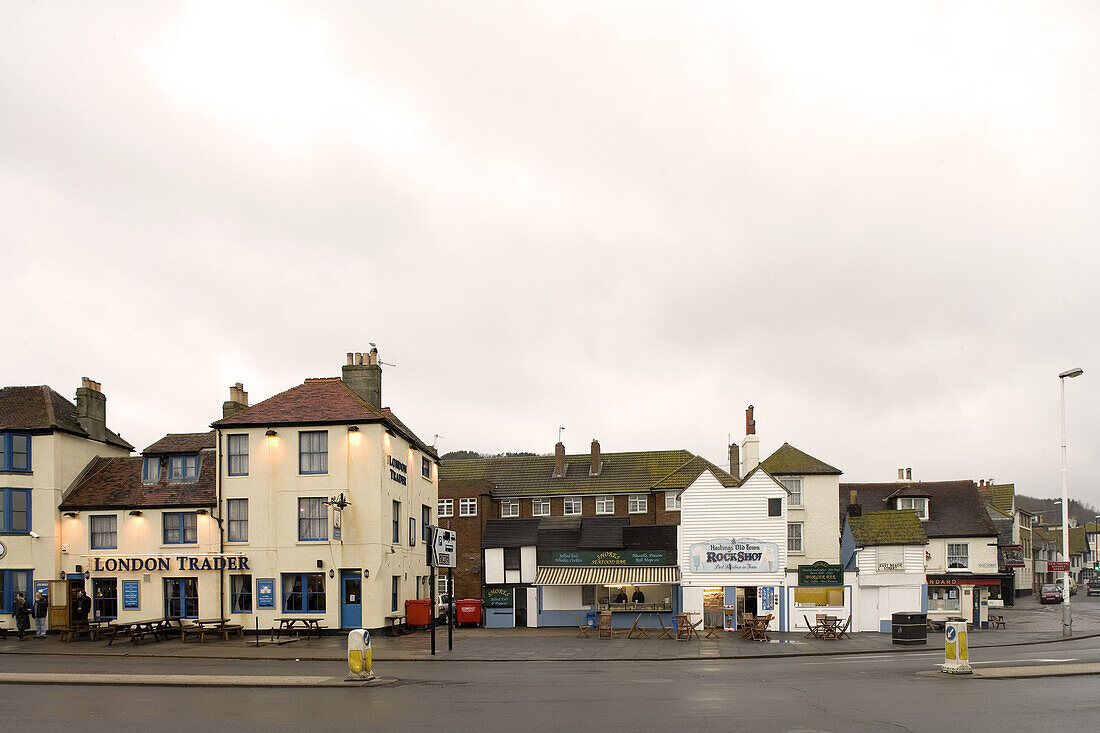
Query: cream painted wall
{"points": [[494, 565], [982, 554], [820, 517], [357, 466]]}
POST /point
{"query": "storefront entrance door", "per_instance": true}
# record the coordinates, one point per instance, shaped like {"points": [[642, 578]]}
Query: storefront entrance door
{"points": [[351, 599]]}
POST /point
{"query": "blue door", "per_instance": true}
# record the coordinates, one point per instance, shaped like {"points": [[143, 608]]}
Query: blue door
{"points": [[351, 599]]}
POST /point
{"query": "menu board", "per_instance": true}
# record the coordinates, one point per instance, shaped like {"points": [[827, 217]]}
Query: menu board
{"points": [[131, 595]]}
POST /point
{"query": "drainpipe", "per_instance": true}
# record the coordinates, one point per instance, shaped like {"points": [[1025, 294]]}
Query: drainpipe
{"points": [[221, 529]]}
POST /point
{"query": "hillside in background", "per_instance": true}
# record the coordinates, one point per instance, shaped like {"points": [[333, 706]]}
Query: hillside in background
{"points": [[1052, 512], [462, 455]]}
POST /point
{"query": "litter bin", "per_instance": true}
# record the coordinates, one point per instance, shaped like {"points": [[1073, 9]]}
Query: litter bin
{"points": [[591, 620], [909, 627], [418, 612], [468, 611]]}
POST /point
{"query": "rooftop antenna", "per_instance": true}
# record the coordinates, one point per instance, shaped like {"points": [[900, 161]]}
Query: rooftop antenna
{"points": [[560, 428], [436, 441]]}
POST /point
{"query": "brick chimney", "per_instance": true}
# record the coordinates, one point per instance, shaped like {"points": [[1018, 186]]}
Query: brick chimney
{"points": [[559, 460], [594, 466], [735, 461], [750, 446], [363, 376], [91, 408], [238, 400]]}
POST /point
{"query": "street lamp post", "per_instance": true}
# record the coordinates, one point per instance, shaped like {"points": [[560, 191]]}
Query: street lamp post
{"points": [[1067, 614]]}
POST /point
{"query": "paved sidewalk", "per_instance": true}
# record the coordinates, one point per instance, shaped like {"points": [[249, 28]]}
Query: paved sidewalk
{"points": [[1027, 624]]}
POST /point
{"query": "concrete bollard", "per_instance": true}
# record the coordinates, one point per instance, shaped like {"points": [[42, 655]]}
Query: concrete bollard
{"points": [[956, 653], [360, 665]]}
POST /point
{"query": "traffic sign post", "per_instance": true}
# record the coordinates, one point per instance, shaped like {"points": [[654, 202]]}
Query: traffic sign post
{"points": [[441, 554]]}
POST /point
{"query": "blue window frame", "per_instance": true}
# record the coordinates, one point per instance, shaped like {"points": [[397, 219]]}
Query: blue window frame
{"points": [[15, 452], [150, 469], [313, 451], [304, 593], [15, 511], [181, 597], [181, 528], [312, 519], [12, 582], [183, 468], [104, 532], [425, 522], [238, 455]]}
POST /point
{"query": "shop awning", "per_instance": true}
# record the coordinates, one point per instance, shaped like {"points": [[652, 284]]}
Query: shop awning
{"points": [[619, 575]]}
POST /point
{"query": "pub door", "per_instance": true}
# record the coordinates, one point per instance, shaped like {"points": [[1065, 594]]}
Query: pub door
{"points": [[351, 599], [520, 596]]}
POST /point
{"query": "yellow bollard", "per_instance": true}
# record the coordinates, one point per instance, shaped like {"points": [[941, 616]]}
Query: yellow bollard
{"points": [[360, 664], [956, 653]]}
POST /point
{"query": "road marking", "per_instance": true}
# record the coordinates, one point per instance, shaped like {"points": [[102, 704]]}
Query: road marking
{"points": [[1017, 661]]}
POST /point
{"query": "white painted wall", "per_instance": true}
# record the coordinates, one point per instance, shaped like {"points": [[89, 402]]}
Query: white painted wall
{"points": [[494, 565], [982, 554], [528, 564], [532, 608], [560, 598]]}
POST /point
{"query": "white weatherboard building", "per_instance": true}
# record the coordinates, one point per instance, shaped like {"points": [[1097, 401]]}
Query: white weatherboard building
{"points": [[887, 550]]}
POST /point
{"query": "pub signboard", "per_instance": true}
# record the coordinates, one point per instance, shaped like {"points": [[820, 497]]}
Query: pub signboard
{"points": [[821, 573]]}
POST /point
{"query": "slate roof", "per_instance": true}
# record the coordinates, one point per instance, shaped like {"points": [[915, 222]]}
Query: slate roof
{"points": [[40, 409], [182, 443], [320, 401], [890, 527], [790, 461], [954, 508], [650, 537], [115, 483], [510, 532], [620, 473], [602, 532]]}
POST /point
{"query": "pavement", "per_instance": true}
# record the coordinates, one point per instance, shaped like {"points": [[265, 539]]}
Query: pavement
{"points": [[1027, 623]]}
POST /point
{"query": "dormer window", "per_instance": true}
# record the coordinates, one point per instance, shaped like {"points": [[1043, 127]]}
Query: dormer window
{"points": [[183, 468], [150, 470], [917, 504]]}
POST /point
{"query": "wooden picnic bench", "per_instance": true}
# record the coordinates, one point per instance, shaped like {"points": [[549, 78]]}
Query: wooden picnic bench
{"points": [[288, 623], [90, 630], [397, 620], [996, 622], [3, 632], [136, 631]]}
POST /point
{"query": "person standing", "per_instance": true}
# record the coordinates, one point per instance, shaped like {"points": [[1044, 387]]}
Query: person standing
{"points": [[21, 611], [638, 596], [82, 605], [40, 610]]}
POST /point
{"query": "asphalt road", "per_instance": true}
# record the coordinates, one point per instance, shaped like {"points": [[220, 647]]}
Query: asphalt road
{"points": [[865, 692]]}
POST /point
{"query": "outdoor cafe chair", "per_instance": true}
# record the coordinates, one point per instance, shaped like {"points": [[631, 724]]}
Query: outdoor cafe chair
{"points": [[814, 630], [582, 629], [666, 631], [842, 632]]}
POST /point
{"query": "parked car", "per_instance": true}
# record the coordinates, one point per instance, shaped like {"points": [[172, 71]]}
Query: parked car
{"points": [[1072, 586], [442, 607], [1050, 593]]}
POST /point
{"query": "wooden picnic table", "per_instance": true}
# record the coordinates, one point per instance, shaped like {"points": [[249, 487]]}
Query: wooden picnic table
{"points": [[138, 630], [685, 629], [91, 630], [203, 626], [758, 627], [310, 623]]}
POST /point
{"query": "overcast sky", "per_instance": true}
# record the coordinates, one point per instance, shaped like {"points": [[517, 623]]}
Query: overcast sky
{"points": [[876, 222]]}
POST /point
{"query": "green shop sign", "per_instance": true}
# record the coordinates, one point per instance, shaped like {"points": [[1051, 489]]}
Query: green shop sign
{"points": [[498, 597], [821, 573], [610, 557]]}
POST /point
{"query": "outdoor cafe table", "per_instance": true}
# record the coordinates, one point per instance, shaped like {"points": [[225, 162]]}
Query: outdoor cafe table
{"points": [[289, 622], [829, 626], [758, 627], [200, 626]]}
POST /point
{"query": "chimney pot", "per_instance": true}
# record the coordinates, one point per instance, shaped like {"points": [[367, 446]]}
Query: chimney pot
{"points": [[901, 474], [908, 474], [750, 423], [594, 468], [351, 358], [852, 497]]}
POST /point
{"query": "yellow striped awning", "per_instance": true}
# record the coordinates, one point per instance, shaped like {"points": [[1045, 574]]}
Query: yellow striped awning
{"points": [[607, 575]]}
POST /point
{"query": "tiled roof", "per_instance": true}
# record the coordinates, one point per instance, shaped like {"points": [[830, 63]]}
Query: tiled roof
{"points": [[41, 409], [320, 401], [954, 508], [182, 443], [892, 527], [115, 483], [1002, 495], [510, 533], [602, 532], [790, 461], [522, 476]]}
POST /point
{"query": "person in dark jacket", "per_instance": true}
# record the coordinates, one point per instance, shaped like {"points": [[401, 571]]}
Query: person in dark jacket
{"points": [[40, 610], [21, 610], [82, 605]]}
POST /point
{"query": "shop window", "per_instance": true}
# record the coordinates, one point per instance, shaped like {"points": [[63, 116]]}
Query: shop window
{"points": [[605, 505], [12, 582], [540, 507], [238, 455], [181, 597], [237, 513], [150, 469], [15, 452], [672, 501], [794, 538], [104, 598], [775, 507], [917, 504], [183, 468], [104, 532], [511, 558], [637, 503], [396, 510], [313, 451], [794, 485], [240, 593], [304, 592], [312, 519], [181, 528], [15, 511], [467, 507], [819, 597], [509, 508], [943, 598], [445, 508], [958, 556], [572, 505]]}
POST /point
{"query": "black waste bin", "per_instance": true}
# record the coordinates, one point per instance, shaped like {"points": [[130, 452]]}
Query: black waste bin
{"points": [[909, 627]]}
